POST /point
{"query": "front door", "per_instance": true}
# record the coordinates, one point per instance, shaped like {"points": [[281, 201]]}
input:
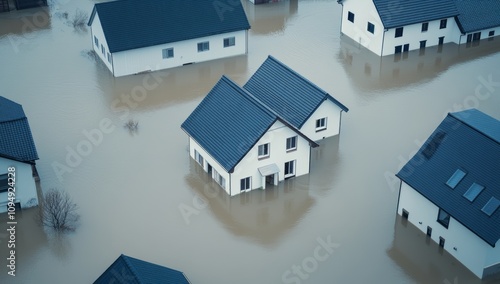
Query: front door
{"points": [[209, 169]]}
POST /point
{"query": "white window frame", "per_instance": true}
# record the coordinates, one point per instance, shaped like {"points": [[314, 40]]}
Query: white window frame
{"points": [[165, 53], [219, 179], [203, 46], [229, 41], [289, 142], [246, 184], [265, 154], [199, 158], [292, 173], [322, 124]]}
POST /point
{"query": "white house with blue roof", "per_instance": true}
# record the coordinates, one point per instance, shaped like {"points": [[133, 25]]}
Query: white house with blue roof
{"points": [[450, 190], [127, 269], [17, 150], [262, 133], [131, 37], [392, 27]]}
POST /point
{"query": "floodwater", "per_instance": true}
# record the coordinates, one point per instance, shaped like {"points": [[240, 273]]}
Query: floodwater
{"points": [[140, 194]]}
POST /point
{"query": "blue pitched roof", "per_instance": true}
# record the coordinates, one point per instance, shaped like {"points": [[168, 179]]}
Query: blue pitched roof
{"points": [[16, 141], [478, 15], [290, 95], [131, 270], [401, 13], [131, 24], [469, 141], [229, 121]]}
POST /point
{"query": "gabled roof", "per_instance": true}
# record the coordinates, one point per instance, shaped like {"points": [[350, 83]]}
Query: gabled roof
{"points": [[401, 13], [283, 90], [468, 141], [478, 15], [229, 121], [131, 270], [16, 141], [131, 24]]}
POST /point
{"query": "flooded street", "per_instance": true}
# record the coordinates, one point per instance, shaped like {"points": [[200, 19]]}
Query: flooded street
{"points": [[134, 189]]}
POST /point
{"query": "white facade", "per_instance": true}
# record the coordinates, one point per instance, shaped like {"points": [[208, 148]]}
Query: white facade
{"points": [[473, 252], [151, 58], [249, 165], [384, 41], [25, 186], [329, 111]]}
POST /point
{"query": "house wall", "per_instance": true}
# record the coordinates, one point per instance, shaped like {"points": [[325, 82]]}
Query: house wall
{"points": [[412, 35], [96, 31], [24, 184], [492, 263], [276, 136], [364, 12], [151, 59], [471, 251], [484, 35], [332, 113]]}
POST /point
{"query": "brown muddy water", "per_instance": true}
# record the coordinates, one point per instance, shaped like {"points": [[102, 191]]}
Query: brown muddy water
{"points": [[131, 186]]}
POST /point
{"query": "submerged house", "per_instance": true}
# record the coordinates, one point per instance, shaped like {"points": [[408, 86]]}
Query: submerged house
{"points": [[387, 27], [17, 150], [131, 37], [450, 190], [127, 269], [246, 140]]}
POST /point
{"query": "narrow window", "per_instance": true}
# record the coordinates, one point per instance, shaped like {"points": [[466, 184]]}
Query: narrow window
{"points": [[441, 242], [289, 169], [422, 47], [350, 17], [203, 46], [425, 27], [443, 218], [103, 50], [109, 57], [291, 143], [96, 41], [167, 52], [399, 32], [429, 231], [263, 151], [230, 41], [245, 184], [442, 24], [405, 214], [320, 124], [370, 27], [4, 184], [198, 158]]}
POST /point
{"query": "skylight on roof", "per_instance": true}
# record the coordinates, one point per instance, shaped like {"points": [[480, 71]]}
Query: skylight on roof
{"points": [[473, 191], [455, 178], [491, 206]]}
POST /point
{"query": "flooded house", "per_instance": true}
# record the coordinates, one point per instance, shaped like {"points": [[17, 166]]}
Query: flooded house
{"points": [[449, 190], [127, 269], [131, 37], [261, 133], [386, 27], [17, 157]]}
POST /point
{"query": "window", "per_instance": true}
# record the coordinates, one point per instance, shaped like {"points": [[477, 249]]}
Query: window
{"points": [[443, 218], [230, 41], [398, 49], [263, 151], [198, 158], [291, 143], [476, 36], [399, 32], [491, 33], [245, 184], [96, 41], [219, 179], [4, 184], [473, 191], [455, 178], [320, 124], [491, 206], [103, 50], [429, 231], [422, 44], [425, 27], [405, 214], [167, 52], [370, 27], [203, 46], [109, 57], [289, 169], [441, 242], [350, 17], [442, 24]]}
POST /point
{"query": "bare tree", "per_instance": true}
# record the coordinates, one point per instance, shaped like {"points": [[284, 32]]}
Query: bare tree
{"points": [[58, 212], [79, 19]]}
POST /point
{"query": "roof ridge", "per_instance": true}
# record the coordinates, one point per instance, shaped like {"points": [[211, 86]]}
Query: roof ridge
{"points": [[130, 266], [471, 126]]}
